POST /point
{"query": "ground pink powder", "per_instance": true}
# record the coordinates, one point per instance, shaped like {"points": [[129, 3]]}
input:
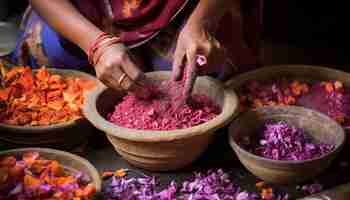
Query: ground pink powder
{"points": [[159, 113]]}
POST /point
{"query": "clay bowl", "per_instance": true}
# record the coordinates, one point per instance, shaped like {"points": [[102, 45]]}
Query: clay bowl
{"points": [[70, 161], [306, 73], [161, 150], [320, 127], [60, 136]]}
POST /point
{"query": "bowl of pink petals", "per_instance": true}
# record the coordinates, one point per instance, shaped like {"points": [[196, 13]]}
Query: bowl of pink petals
{"points": [[158, 133]]}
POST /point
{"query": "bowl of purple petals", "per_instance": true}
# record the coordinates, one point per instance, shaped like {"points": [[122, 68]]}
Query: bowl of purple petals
{"points": [[286, 144]]}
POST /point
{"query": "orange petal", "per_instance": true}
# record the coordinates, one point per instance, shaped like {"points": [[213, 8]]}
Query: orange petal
{"points": [[30, 181], [107, 174], [30, 157], [56, 168], [328, 87], [89, 191], [16, 172], [120, 173], [338, 85]]}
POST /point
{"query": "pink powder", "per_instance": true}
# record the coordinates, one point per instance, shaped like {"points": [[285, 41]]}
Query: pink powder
{"points": [[159, 111]]}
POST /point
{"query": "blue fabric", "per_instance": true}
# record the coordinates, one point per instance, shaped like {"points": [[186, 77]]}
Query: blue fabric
{"points": [[50, 40]]}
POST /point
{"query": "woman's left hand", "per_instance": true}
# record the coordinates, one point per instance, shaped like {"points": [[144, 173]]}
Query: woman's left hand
{"points": [[195, 39]]}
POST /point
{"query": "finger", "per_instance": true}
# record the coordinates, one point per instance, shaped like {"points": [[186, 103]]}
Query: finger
{"points": [[132, 70], [111, 78], [138, 83], [191, 73], [177, 68]]}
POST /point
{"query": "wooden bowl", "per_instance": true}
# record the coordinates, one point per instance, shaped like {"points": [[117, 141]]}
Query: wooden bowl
{"points": [[306, 73], [68, 160], [161, 150], [60, 136], [319, 126]]}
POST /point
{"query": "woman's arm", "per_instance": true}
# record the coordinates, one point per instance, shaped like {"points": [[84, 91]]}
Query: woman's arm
{"points": [[66, 20], [197, 38], [115, 68], [208, 12]]}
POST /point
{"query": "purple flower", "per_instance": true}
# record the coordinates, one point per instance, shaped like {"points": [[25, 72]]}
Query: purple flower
{"points": [[312, 188], [279, 141]]}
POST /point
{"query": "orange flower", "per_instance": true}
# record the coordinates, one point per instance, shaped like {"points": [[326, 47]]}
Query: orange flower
{"points": [[30, 181], [56, 169], [30, 157], [107, 174], [120, 173], [328, 87], [296, 88], [257, 103], [338, 85], [40, 98], [266, 193], [289, 100]]}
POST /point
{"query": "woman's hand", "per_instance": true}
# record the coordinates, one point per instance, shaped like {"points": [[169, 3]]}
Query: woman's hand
{"points": [[116, 69], [195, 39]]}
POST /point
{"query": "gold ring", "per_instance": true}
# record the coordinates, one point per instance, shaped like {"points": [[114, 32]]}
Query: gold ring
{"points": [[121, 79]]}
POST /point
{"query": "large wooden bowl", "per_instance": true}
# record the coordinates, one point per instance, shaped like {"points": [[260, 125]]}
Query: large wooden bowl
{"points": [[306, 73], [319, 126], [60, 136], [68, 160], [161, 150]]}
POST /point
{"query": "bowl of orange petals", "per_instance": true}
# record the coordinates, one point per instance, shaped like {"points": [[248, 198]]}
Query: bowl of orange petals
{"points": [[43, 107], [39, 173]]}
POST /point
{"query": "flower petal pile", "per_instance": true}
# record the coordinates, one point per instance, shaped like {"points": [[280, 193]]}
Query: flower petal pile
{"points": [[328, 97], [212, 185], [41, 98], [159, 113], [279, 141], [34, 177]]}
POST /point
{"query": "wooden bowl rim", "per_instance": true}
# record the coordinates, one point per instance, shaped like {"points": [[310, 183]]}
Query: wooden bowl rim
{"points": [[53, 127], [288, 69], [239, 150], [229, 110], [93, 173]]}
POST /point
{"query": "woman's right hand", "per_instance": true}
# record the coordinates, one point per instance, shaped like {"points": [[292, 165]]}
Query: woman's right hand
{"points": [[114, 62]]}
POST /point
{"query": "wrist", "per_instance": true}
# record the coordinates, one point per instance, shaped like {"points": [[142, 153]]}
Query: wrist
{"points": [[99, 46]]}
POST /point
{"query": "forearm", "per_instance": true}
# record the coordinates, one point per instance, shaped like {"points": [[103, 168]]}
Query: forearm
{"points": [[209, 12], [66, 20]]}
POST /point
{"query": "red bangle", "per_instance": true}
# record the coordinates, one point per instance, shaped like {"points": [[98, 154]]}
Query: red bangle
{"points": [[99, 38], [102, 47]]}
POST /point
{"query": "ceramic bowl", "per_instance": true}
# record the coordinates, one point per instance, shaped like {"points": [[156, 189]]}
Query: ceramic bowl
{"points": [[320, 127], [161, 150], [60, 136], [68, 160], [308, 73]]}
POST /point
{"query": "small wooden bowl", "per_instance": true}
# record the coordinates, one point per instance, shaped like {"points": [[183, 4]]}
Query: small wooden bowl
{"points": [[60, 136], [161, 150], [68, 160], [308, 73], [319, 126]]}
